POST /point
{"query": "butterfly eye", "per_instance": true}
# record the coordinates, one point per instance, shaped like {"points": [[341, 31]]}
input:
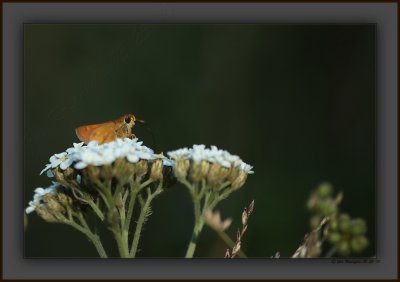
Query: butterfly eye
{"points": [[127, 119]]}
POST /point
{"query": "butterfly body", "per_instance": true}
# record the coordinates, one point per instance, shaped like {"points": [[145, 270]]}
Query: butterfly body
{"points": [[108, 131]]}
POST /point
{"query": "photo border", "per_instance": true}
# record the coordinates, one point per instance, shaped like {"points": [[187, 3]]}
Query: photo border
{"points": [[384, 15]]}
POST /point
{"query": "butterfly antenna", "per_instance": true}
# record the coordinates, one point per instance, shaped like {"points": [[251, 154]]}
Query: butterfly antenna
{"points": [[141, 121]]}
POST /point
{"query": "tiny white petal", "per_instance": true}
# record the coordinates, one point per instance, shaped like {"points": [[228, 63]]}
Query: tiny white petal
{"points": [[60, 155], [81, 165], [29, 209], [65, 164], [49, 173], [39, 191], [78, 145], [46, 168], [55, 163], [132, 158], [168, 162]]}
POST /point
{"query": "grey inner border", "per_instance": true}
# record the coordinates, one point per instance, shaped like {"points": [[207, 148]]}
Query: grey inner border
{"points": [[16, 14]]}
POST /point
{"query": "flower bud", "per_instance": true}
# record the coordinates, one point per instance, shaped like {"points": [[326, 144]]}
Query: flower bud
{"points": [[204, 169], [69, 174], [119, 167], [45, 214], [217, 174], [325, 190], [195, 172], [58, 175], [52, 204], [233, 173], [106, 172], [334, 237], [214, 174], [343, 248], [181, 168], [344, 222], [156, 170], [333, 225], [327, 207], [93, 173], [359, 244], [240, 180], [358, 227], [64, 199], [141, 169]]}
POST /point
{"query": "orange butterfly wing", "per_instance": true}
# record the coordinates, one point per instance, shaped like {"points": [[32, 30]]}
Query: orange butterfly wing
{"points": [[102, 133]]}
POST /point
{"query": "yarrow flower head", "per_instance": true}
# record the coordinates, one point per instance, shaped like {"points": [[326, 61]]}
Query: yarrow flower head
{"points": [[84, 168], [81, 155], [199, 153], [38, 197], [212, 165]]}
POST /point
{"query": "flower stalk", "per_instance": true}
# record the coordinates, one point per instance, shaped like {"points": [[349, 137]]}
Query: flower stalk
{"points": [[210, 175]]}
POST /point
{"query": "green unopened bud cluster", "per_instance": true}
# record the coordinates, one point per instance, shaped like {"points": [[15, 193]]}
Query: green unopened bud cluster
{"points": [[347, 235], [322, 202]]}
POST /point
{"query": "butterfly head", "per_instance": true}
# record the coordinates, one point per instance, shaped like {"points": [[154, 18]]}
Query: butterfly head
{"points": [[128, 120]]}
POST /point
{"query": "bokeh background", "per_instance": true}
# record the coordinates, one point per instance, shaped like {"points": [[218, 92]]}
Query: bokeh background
{"points": [[295, 101]]}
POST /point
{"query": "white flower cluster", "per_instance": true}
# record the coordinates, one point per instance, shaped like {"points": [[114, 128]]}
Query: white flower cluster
{"points": [[94, 154], [38, 196], [199, 153]]}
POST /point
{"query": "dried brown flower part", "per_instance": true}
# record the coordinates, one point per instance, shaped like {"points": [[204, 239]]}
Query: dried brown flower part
{"points": [[245, 216], [213, 219], [311, 246]]}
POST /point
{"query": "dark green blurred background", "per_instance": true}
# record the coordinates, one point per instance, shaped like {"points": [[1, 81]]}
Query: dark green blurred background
{"points": [[296, 102]]}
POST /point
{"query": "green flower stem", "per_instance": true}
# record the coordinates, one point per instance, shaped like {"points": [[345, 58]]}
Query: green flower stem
{"points": [[198, 226], [94, 238], [126, 194], [139, 226], [224, 185], [203, 189], [145, 184], [188, 185], [224, 194], [142, 218], [125, 231], [134, 190], [230, 243], [109, 199], [82, 220], [144, 213], [86, 198], [96, 209], [121, 211], [122, 246]]}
